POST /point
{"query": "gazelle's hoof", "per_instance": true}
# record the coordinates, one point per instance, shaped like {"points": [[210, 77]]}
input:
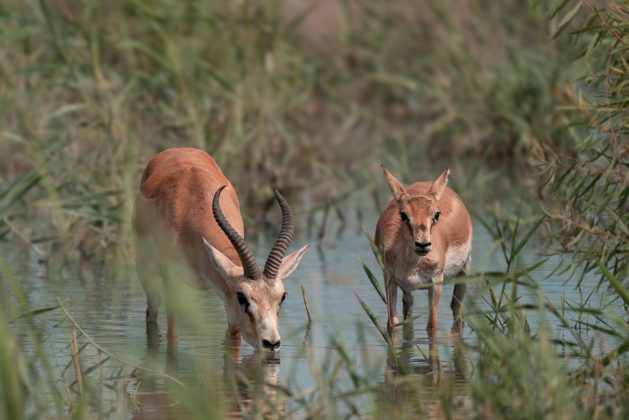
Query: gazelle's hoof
{"points": [[431, 328], [457, 327], [393, 322]]}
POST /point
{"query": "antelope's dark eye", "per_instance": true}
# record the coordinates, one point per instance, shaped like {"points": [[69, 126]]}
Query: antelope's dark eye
{"points": [[242, 300], [283, 298], [403, 216], [437, 216]]}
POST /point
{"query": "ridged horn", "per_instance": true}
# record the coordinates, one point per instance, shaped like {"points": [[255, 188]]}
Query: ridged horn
{"points": [[247, 259], [282, 243]]}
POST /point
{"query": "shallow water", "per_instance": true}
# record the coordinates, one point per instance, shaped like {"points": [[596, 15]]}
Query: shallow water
{"points": [[111, 311]]}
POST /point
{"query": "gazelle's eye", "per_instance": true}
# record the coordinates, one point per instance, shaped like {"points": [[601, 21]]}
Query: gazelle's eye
{"points": [[403, 216], [242, 300], [437, 216], [283, 298]]}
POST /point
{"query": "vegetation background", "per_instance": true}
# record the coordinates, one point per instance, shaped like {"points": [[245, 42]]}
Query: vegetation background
{"points": [[525, 97]]}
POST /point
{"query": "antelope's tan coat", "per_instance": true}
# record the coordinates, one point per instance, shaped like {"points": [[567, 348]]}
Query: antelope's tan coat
{"points": [[172, 217], [450, 238]]}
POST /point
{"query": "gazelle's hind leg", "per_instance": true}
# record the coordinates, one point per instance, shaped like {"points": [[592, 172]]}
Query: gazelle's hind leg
{"points": [[150, 284], [457, 299], [152, 305], [149, 273]]}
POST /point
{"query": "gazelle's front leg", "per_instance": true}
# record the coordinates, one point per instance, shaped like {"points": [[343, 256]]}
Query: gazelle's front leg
{"points": [[391, 290], [434, 293], [172, 331], [407, 303]]}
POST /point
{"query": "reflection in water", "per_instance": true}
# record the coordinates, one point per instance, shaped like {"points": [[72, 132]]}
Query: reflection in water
{"points": [[151, 397], [414, 379], [250, 382]]}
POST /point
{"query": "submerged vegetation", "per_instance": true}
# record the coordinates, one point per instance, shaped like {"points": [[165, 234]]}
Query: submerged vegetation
{"points": [[311, 101]]}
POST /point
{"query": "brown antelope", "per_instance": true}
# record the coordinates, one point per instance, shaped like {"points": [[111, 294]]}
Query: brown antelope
{"points": [[425, 234], [174, 228]]}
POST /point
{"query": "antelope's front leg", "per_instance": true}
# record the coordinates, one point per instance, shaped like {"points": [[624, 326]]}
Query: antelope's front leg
{"points": [[434, 293], [391, 290], [407, 303]]}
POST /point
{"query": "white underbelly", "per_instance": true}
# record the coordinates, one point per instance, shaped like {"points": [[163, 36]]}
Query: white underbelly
{"points": [[414, 281]]}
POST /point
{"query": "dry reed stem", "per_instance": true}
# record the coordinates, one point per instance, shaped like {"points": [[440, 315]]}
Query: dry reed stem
{"points": [[303, 295], [74, 348], [113, 356]]}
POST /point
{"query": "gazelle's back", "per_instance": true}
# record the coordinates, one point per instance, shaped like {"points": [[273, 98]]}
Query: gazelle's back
{"points": [[174, 205]]}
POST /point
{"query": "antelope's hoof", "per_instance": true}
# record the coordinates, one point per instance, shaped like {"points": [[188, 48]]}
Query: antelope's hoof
{"points": [[457, 327], [393, 322]]}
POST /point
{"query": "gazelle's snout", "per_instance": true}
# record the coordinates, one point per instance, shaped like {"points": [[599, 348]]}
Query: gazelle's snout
{"points": [[272, 346], [423, 248], [269, 334]]}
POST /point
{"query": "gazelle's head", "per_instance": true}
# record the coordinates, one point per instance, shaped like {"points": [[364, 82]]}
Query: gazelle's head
{"points": [[254, 298], [419, 214]]}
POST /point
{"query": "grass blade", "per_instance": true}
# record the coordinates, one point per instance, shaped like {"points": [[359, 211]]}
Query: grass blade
{"points": [[374, 282], [374, 319]]}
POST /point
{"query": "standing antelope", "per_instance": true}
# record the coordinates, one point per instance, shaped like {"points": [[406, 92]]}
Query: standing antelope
{"points": [[174, 227], [425, 234]]}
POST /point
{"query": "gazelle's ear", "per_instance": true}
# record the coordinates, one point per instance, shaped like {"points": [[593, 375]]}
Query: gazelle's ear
{"points": [[223, 265], [290, 262], [396, 186], [440, 184]]}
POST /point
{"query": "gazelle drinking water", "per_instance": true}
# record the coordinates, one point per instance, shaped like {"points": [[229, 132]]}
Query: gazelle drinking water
{"points": [[425, 234], [187, 215]]}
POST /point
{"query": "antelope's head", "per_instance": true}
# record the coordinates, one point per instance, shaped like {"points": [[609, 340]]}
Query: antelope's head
{"points": [[255, 297], [419, 214]]}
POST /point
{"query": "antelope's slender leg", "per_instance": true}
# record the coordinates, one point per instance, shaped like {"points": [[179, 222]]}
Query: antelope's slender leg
{"points": [[171, 301], [457, 300], [172, 324], [152, 306], [407, 303], [153, 298], [434, 294], [391, 290]]}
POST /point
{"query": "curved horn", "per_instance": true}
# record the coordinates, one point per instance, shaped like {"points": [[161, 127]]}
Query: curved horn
{"points": [[274, 259], [247, 259]]}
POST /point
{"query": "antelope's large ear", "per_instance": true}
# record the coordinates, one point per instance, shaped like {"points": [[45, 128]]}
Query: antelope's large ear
{"points": [[396, 186], [226, 269], [290, 262], [439, 186]]}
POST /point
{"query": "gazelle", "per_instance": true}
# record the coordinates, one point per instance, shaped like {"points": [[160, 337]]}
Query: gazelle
{"points": [[425, 234], [180, 190]]}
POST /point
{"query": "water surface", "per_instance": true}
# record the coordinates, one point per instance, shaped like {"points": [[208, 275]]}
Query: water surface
{"points": [[111, 311]]}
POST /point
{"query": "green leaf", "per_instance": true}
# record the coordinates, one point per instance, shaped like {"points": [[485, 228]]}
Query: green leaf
{"points": [[526, 238], [374, 248], [557, 8], [613, 280], [374, 319], [567, 19], [374, 282]]}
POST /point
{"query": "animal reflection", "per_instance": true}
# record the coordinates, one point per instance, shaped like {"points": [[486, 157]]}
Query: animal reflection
{"points": [[249, 382], [411, 372]]}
